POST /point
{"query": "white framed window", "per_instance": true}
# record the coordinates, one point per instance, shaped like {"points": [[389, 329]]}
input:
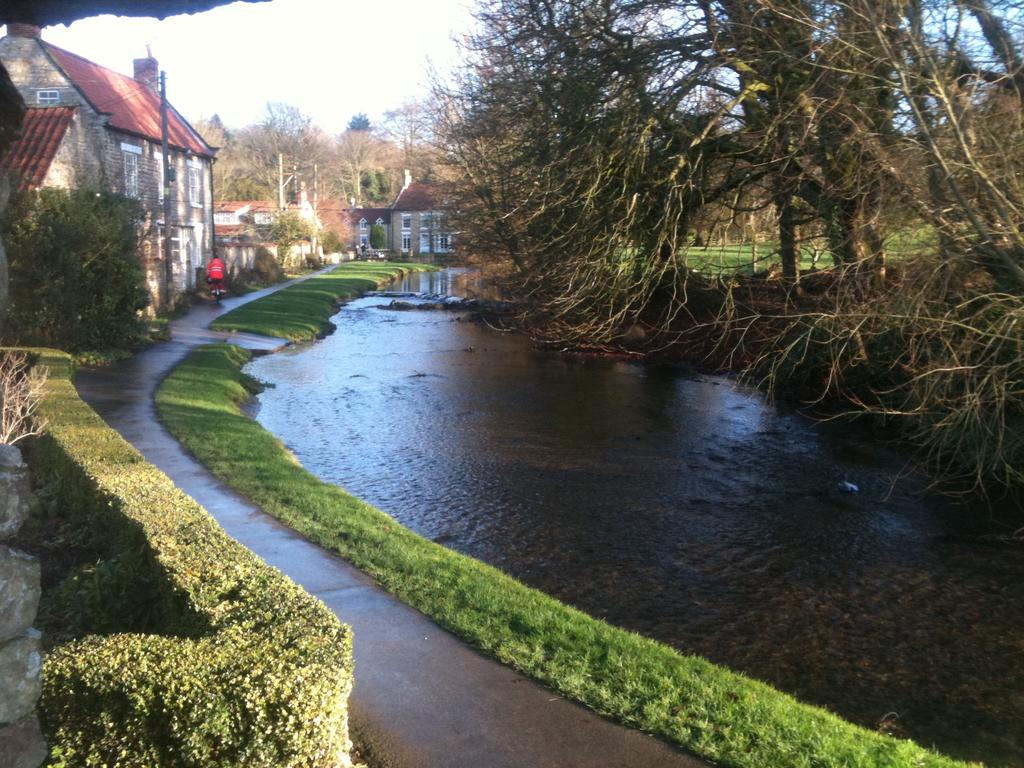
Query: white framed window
{"points": [[380, 222], [195, 183], [424, 241], [364, 241], [363, 225], [406, 221], [224, 218], [426, 220], [442, 243], [47, 97], [406, 242], [263, 218], [131, 174]]}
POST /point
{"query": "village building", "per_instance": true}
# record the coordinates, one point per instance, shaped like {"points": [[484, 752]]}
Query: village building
{"points": [[418, 223], [89, 127], [415, 225]]}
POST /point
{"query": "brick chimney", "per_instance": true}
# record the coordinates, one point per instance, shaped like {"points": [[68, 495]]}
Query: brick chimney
{"points": [[147, 71], [22, 29]]}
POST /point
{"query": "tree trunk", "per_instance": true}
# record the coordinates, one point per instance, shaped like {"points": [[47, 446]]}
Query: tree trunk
{"points": [[787, 241]]}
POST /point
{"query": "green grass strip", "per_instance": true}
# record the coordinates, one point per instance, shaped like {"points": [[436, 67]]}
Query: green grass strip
{"points": [[704, 708], [300, 311]]}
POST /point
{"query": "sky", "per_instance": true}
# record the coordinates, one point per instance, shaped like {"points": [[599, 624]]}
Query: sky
{"points": [[330, 58]]}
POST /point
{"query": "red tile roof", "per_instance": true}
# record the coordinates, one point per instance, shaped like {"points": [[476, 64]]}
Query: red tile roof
{"points": [[30, 156], [416, 197], [132, 106]]}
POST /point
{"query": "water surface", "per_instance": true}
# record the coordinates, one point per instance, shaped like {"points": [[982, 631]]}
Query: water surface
{"points": [[679, 506]]}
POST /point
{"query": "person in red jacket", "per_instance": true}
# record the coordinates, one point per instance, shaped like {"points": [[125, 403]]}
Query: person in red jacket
{"points": [[215, 277]]}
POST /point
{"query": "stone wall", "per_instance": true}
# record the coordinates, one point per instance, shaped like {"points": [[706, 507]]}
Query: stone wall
{"points": [[21, 742]]}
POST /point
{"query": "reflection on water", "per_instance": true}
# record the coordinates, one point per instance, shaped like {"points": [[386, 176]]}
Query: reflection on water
{"points": [[675, 505]]}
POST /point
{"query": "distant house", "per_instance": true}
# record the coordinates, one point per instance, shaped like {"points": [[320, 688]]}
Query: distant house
{"points": [[418, 222], [90, 127], [415, 224]]}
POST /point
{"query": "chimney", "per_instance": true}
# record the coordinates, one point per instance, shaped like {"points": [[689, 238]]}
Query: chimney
{"points": [[147, 71], [23, 29], [408, 179]]}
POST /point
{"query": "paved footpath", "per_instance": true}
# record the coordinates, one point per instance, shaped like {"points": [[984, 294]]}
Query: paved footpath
{"points": [[422, 697]]}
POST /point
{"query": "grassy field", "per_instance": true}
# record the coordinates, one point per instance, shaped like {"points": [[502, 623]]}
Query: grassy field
{"points": [[707, 709], [300, 312], [739, 257]]}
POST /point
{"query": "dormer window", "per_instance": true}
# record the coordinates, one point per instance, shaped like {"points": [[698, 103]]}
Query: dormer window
{"points": [[47, 97], [380, 222], [363, 225]]}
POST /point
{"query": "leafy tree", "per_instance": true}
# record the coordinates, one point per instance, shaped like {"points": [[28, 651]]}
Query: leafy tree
{"points": [[290, 228]]}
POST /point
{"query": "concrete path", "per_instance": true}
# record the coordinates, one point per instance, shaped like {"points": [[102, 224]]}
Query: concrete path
{"points": [[422, 697]]}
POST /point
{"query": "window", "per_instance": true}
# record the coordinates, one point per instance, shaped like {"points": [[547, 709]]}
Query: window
{"points": [[195, 183], [263, 218], [48, 97], [363, 225], [426, 220], [380, 222], [442, 243], [131, 173], [224, 218], [364, 241], [406, 221], [424, 241], [406, 242]]}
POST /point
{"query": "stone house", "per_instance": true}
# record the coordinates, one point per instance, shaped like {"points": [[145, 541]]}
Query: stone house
{"points": [[415, 224], [90, 127], [418, 222]]}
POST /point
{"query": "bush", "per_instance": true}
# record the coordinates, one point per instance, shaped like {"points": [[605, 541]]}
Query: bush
{"points": [[332, 241], [74, 279], [244, 669], [378, 237]]}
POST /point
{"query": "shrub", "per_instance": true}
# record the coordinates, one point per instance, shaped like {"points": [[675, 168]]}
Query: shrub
{"points": [[75, 282], [332, 241], [21, 386], [244, 667], [378, 237], [266, 268]]}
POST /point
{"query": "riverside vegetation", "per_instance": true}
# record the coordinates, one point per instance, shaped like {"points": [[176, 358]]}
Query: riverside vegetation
{"points": [[683, 699]]}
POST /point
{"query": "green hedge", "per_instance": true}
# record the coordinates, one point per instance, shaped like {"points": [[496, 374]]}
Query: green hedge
{"points": [[246, 669]]}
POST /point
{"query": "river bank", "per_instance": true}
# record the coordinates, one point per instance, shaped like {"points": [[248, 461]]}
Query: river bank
{"points": [[704, 708]]}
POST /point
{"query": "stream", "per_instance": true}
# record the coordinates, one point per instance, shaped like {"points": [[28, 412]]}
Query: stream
{"points": [[680, 506]]}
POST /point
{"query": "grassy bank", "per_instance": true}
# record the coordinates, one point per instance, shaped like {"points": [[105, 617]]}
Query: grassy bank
{"points": [[300, 312], [685, 700]]}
